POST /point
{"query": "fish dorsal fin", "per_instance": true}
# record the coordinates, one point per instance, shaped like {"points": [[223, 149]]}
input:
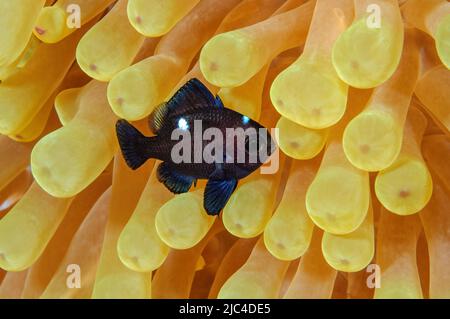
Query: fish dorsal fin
{"points": [[194, 95], [218, 102]]}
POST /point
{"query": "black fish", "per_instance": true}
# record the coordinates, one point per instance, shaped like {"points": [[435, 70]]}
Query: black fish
{"points": [[190, 105]]}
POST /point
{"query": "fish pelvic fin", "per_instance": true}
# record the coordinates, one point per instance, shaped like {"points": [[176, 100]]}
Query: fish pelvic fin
{"points": [[134, 145]]}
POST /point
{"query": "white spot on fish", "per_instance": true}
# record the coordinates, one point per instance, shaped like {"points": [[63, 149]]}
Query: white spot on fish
{"points": [[183, 124]]}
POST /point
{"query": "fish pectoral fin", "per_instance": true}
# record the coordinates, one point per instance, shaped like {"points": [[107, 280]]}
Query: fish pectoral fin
{"points": [[157, 118], [218, 173], [175, 182], [217, 193]]}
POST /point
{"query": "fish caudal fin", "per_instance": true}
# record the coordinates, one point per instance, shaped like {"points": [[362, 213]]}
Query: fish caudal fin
{"points": [[134, 144], [217, 193]]}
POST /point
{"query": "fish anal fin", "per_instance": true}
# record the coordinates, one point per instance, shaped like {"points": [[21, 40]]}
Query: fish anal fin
{"points": [[217, 193], [175, 182]]}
